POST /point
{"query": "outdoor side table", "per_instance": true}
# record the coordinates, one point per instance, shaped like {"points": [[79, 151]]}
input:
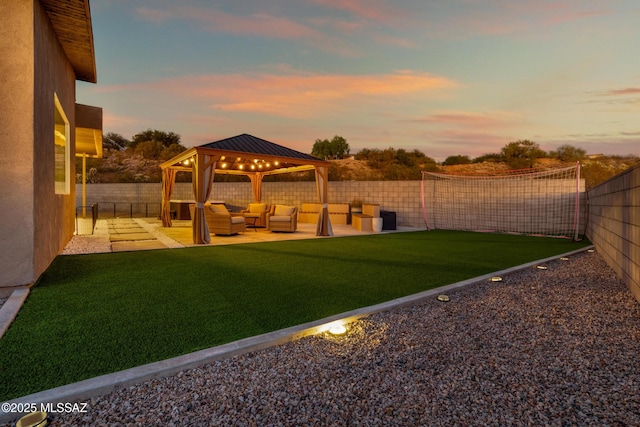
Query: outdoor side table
{"points": [[253, 217]]}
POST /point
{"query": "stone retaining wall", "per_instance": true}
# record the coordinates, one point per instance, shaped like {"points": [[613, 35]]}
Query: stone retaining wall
{"points": [[614, 225]]}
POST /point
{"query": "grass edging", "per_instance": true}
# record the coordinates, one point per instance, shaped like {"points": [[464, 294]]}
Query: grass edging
{"points": [[10, 308], [107, 383]]}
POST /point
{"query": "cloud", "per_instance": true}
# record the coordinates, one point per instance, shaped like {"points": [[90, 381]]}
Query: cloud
{"points": [[215, 20], [468, 119], [372, 10], [503, 17], [154, 15], [292, 94], [258, 24], [116, 120], [623, 92], [624, 97]]}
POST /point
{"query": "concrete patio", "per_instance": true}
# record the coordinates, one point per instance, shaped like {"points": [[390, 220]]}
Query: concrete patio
{"points": [[133, 234]]}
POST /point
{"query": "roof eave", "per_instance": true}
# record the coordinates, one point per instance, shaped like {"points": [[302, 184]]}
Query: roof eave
{"points": [[71, 21]]}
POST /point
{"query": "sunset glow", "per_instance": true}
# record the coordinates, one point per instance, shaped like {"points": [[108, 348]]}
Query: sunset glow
{"points": [[446, 78]]}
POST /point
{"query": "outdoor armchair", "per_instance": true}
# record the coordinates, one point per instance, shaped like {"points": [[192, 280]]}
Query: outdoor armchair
{"points": [[283, 218], [219, 220], [260, 209]]}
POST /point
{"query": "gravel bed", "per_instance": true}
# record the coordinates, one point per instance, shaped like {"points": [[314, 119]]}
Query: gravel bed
{"points": [[554, 347], [87, 244]]}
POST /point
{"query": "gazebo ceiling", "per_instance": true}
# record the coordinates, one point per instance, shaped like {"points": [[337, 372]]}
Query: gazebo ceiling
{"points": [[246, 154]]}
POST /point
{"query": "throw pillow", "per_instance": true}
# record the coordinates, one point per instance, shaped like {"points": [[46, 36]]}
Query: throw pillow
{"points": [[282, 210], [256, 207]]}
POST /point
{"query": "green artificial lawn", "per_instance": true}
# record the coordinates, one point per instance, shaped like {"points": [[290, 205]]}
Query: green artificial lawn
{"points": [[90, 315]]}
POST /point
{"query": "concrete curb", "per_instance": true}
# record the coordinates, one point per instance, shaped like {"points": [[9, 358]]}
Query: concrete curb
{"points": [[10, 308], [104, 384]]}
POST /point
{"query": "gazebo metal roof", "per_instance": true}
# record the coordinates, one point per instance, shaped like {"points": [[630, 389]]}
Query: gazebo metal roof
{"points": [[250, 144], [246, 155]]}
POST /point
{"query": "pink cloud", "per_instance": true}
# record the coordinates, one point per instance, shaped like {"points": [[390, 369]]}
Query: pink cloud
{"points": [[373, 10], [496, 119], [293, 94], [507, 17], [116, 121], [626, 91], [259, 24]]}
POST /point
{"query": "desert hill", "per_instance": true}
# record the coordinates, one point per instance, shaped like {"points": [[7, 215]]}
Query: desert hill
{"points": [[122, 166]]}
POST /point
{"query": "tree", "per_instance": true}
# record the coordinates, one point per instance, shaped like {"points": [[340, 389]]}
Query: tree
{"points": [[522, 154], [569, 153], [491, 157], [164, 138], [114, 141], [171, 151], [149, 149], [156, 144], [325, 149], [457, 160], [321, 149]]}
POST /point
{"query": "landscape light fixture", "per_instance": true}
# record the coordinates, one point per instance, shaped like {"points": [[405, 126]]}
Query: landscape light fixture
{"points": [[443, 298], [38, 418], [337, 329], [564, 258], [496, 279], [541, 267]]}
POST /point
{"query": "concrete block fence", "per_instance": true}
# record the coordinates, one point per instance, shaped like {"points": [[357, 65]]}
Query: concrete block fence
{"points": [[402, 197], [613, 225]]}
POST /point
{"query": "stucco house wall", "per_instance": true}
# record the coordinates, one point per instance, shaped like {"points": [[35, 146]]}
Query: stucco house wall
{"points": [[16, 142], [53, 213], [35, 222]]}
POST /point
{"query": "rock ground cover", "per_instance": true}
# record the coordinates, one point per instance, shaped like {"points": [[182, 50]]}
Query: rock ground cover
{"points": [[543, 347]]}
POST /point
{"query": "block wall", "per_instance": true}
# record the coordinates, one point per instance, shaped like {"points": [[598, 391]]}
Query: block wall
{"points": [[402, 197], [614, 225]]}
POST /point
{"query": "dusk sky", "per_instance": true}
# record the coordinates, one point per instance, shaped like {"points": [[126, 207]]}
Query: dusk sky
{"points": [[446, 77]]}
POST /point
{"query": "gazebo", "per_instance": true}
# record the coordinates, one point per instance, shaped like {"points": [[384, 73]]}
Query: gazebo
{"points": [[240, 155]]}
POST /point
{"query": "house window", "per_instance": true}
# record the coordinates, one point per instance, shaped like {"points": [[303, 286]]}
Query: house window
{"points": [[62, 152]]}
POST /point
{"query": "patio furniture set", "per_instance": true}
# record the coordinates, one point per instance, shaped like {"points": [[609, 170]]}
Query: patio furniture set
{"points": [[273, 217], [284, 218]]}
